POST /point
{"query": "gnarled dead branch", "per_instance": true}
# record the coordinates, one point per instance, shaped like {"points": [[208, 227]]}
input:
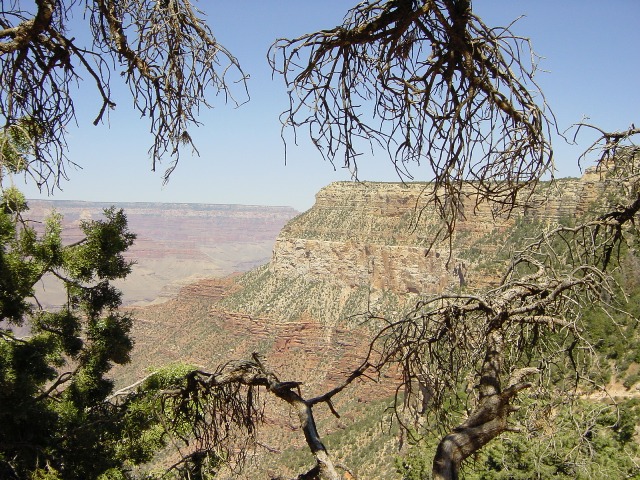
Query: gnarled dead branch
{"points": [[530, 323], [222, 409], [164, 51], [430, 83]]}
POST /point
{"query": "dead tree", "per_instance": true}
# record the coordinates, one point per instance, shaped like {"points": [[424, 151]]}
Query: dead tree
{"points": [[474, 352], [498, 342], [431, 84], [222, 411], [163, 50]]}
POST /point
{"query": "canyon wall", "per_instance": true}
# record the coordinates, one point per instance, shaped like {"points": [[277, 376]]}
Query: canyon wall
{"points": [[380, 234], [363, 251]]}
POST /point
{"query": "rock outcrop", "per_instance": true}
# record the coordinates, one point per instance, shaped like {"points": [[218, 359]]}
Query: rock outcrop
{"points": [[379, 235], [363, 249]]}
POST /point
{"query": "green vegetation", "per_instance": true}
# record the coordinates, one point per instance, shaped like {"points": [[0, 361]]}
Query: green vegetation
{"points": [[53, 382], [583, 440], [59, 416], [588, 434], [432, 85]]}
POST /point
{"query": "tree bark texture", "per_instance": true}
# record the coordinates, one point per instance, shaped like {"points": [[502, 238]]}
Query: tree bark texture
{"points": [[490, 417]]}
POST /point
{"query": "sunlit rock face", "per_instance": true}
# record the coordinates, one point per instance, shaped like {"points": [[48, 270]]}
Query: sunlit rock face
{"points": [[364, 248], [380, 234]]}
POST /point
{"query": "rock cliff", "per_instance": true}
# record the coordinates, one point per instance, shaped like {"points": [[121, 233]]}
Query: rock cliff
{"points": [[378, 235]]}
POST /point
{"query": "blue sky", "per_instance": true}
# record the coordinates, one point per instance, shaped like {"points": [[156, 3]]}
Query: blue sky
{"points": [[591, 64]]}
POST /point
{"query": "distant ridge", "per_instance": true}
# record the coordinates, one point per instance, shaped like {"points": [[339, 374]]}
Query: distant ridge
{"points": [[194, 205], [177, 242]]}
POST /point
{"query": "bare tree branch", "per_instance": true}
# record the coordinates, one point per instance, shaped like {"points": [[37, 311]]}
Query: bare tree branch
{"points": [[430, 83], [168, 56], [224, 396], [529, 324]]}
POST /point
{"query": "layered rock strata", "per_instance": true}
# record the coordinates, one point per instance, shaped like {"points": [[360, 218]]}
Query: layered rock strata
{"points": [[176, 244], [380, 234]]}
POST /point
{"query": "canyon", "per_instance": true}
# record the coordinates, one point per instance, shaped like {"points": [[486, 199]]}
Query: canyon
{"points": [[361, 256], [378, 234], [177, 243]]}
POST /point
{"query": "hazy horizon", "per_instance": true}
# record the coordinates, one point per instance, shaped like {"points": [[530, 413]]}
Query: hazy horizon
{"points": [[586, 71]]}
